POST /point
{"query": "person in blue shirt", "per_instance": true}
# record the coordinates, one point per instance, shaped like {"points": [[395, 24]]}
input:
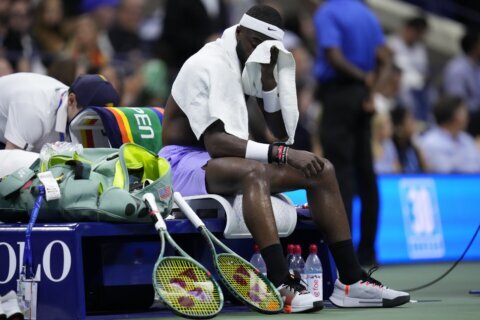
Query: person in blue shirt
{"points": [[352, 60]]}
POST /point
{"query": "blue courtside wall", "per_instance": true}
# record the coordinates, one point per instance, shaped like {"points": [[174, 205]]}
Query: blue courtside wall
{"points": [[449, 206]]}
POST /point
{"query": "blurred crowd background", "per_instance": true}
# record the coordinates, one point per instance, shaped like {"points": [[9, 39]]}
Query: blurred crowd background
{"points": [[140, 45]]}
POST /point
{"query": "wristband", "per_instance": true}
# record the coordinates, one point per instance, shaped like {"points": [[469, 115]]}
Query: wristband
{"points": [[270, 155], [257, 151], [271, 102], [284, 155], [281, 155]]}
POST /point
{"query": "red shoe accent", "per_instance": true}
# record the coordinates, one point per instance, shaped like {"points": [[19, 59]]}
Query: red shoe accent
{"points": [[287, 308]]}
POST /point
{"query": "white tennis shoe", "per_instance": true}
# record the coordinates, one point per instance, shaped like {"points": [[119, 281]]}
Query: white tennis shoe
{"points": [[296, 297], [9, 304], [368, 293], [3, 316]]}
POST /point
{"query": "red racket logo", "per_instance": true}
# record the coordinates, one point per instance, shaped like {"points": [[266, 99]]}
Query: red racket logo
{"points": [[188, 300], [241, 276]]}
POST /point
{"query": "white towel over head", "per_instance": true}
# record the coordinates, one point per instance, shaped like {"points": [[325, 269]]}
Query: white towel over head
{"points": [[210, 86]]}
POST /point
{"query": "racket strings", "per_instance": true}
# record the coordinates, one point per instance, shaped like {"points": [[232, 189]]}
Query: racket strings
{"points": [[186, 288], [245, 281]]}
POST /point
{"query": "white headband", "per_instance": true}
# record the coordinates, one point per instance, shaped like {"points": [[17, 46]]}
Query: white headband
{"points": [[267, 29]]}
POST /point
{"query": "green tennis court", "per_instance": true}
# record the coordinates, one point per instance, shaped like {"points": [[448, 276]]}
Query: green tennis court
{"points": [[447, 299]]}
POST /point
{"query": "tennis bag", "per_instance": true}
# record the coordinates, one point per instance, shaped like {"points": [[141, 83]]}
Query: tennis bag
{"points": [[101, 184]]}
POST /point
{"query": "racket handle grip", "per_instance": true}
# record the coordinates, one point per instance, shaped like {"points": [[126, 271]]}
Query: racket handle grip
{"points": [[149, 199], [187, 210]]}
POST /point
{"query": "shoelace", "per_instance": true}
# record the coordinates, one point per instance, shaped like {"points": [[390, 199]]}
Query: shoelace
{"points": [[294, 282], [369, 280]]}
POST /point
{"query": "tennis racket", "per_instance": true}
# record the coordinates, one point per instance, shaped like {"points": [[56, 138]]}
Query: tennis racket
{"points": [[183, 284], [242, 279]]}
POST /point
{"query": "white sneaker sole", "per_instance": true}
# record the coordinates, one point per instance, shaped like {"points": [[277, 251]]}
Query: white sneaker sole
{"points": [[348, 302]]}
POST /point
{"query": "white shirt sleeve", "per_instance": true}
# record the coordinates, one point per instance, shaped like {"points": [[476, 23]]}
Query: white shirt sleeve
{"points": [[24, 126]]}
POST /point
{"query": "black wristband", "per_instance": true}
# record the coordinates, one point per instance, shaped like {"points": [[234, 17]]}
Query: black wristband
{"points": [[270, 151]]}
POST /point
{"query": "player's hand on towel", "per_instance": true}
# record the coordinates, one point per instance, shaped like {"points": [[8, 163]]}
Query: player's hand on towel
{"points": [[310, 164], [268, 80]]}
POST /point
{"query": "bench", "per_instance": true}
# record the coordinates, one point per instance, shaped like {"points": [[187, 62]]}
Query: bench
{"points": [[87, 269]]}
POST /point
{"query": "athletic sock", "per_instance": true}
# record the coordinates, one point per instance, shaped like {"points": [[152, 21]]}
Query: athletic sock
{"points": [[348, 267], [277, 269]]}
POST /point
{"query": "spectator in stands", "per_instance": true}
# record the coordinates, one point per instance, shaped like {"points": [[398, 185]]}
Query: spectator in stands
{"points": [[84, 48], [384, 152], [462, 78], [208, 96], [115, 76], [124, 34], [4, 9], [410, 157], [155, 89], [129, 87], [49, 30], [18, 43], [349, 43], [103, 13], [448, 148], [410, 54], [385, 98], [187, 26], [35, 109], [5, 67]]}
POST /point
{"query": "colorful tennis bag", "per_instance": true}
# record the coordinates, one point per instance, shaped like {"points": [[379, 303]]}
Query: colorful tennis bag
{"points": [[100, 127], [101, 184]]}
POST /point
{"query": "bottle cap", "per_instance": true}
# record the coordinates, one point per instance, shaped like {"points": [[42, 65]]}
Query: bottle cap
{"points": [[313, 248], [290, 248], [256, 248], [298, 249]]}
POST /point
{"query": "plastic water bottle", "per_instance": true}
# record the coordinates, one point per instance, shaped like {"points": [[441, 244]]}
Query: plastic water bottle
{"points": [[289, 256], [313, 275], [298, 262], [257, 260]]}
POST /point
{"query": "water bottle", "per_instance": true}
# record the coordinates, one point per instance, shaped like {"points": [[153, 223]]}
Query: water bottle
{"points": [[257, 260], [313, 275], [298, 262], [289, 256]]}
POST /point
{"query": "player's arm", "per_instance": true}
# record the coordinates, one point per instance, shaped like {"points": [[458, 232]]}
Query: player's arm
{"points": [[273, 123], [258, 127], [220, 144], [270, 105], [338, 61]]}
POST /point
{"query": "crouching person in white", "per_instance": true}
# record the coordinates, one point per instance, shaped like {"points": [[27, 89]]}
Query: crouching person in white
{"points": [[215, 144]]}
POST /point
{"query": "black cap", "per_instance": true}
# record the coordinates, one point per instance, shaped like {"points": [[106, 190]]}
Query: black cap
{"points": [[94, 90]]}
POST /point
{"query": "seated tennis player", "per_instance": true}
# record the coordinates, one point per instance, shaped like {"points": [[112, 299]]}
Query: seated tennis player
{"points": [[216, 144]]}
